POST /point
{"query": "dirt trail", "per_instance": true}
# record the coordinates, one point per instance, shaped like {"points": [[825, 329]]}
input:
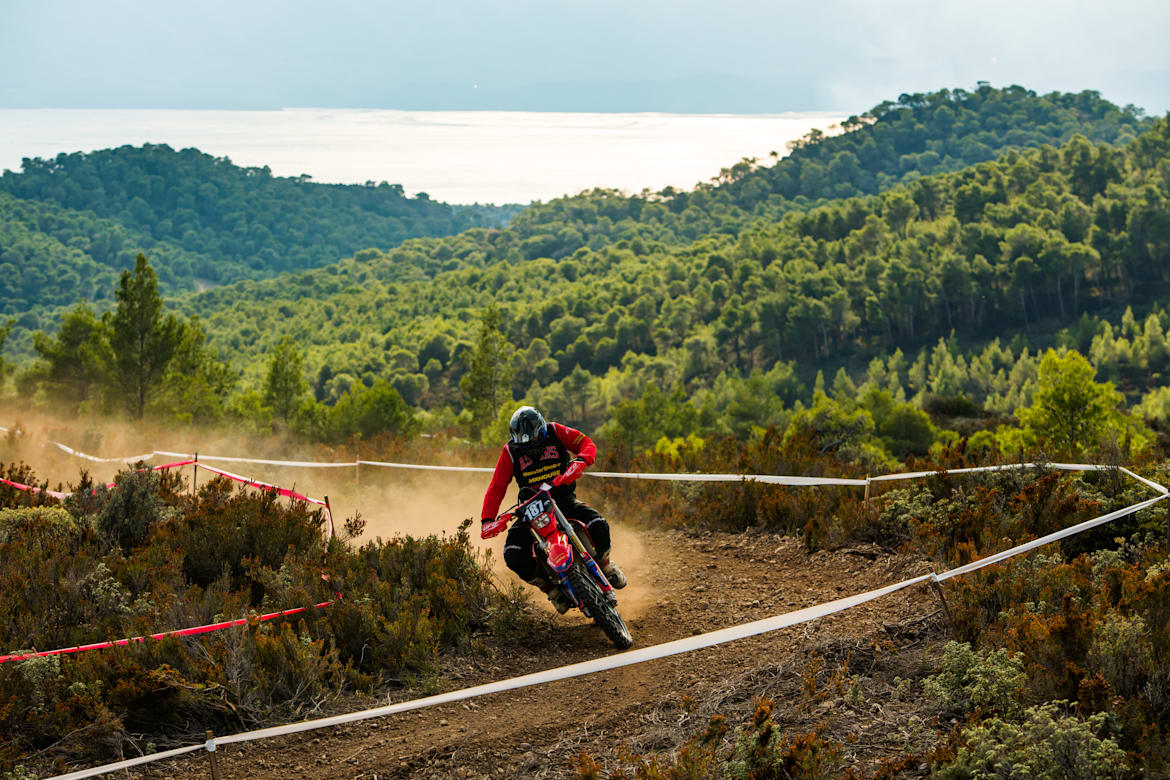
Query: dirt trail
{"points": [[697, 584]]}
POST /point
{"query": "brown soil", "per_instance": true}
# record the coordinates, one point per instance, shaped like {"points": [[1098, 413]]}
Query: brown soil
{"points": [[686, 585]]}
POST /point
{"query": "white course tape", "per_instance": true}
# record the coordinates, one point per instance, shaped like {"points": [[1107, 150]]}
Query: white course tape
{"points": [[128, 763], [1004, 467], [295, 463], [606, 663], [769, 478], [95, 459], [384, 464], [1154, 485]]}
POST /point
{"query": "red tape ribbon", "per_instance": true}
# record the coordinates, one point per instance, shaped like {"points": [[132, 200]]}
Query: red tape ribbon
{"points": [[262, 485], [193, 631]]}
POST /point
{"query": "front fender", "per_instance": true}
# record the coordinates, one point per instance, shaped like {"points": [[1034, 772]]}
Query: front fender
{"points": [[560, 552]]}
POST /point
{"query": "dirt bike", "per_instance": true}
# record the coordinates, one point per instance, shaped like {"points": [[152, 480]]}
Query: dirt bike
{"points": [[566, 552]]}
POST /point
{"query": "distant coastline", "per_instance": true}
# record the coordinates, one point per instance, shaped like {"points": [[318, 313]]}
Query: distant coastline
{"points": [[455, 156]]}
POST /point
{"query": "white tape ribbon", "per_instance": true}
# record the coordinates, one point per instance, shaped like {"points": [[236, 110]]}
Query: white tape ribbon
{"points": [[128, 763], [294, 463], [95, 459], [605, 663], [423, 467], [616, 661], [769, 478]]}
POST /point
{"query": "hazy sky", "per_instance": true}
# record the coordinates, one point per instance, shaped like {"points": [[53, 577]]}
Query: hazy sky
{"points": [[587, 55]]}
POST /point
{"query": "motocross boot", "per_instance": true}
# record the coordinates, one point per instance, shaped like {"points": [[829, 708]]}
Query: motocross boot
{"points": [[560, 600], [616, 577]]}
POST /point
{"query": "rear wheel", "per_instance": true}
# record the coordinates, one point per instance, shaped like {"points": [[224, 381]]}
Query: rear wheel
{"points": [[604, 614]]}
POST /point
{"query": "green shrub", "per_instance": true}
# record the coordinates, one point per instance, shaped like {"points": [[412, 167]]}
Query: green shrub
{"points": [[12, 497], [1048, 743], [126, 512], [761, 751], [55, 521], [989, 681], [1122, 653]]}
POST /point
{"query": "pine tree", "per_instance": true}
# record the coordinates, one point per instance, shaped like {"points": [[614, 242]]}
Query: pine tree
{"points": [[285, 384], [487, 383], [1069, 409], [141, 338]]}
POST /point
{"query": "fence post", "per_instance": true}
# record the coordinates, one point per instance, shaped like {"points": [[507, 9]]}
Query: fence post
{"points": [[211, 756], [329, 515], [867, 487], [942, 599], [194, 473]]}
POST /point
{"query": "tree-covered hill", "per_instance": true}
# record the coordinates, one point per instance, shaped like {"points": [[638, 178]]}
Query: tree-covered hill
{"points": [[1041, 246], [894, 142], [1025, 244], [52, 256], [202, 219], [205, 221]]}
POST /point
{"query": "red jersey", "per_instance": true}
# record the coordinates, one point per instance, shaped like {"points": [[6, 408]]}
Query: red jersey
{"points": [[544, 463]]}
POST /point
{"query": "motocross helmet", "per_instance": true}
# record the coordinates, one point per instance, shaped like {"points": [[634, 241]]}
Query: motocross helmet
{"points": [[527, 425]]}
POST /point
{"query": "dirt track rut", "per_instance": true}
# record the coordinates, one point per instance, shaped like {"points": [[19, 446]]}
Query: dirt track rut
{"points": [[699, 583]]}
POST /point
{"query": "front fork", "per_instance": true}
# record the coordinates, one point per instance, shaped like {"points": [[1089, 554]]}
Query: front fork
{"points": [[590, 563]]}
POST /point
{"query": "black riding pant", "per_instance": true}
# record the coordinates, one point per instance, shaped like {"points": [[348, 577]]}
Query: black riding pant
{"points": [[520, 545]]}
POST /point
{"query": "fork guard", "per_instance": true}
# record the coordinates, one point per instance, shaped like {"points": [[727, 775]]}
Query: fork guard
{"points": [[560, 555]]}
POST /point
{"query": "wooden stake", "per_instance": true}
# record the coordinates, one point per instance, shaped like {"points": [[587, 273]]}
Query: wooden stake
{"points": [[212, 757], [867, 487], [194, 473], [329, 516], [943, 600]]}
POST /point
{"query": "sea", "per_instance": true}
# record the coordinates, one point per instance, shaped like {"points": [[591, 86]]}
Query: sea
{"points": [[454, 156]]}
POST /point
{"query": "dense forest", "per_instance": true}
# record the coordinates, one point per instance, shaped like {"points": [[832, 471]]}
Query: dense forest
{"points": [[1048, 245], [892, 143], [70, 224], [906, 290], [53, 256]]}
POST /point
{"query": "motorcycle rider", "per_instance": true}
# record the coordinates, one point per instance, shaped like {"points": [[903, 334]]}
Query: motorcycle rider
{"points": [[539, 452]]}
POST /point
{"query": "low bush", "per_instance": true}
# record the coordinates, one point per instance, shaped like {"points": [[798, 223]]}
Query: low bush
{"points": [[987, 680], [760, 750], [1047, 743], [1092, 630], [1084, 621]]}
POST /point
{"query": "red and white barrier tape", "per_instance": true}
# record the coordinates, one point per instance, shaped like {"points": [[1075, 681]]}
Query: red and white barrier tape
{"points": [[34, 489], [262, 485], [181, 632], [329, 531], [192, 462]]}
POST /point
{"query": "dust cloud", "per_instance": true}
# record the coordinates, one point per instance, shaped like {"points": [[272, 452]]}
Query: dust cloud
{"points": [[391, 501]]}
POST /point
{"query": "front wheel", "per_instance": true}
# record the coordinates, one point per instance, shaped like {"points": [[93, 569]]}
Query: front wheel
{"points": [[604, 614]]}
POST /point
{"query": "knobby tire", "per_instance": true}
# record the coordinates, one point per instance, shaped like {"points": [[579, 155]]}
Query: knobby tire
{"points": [[604, 614]]}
